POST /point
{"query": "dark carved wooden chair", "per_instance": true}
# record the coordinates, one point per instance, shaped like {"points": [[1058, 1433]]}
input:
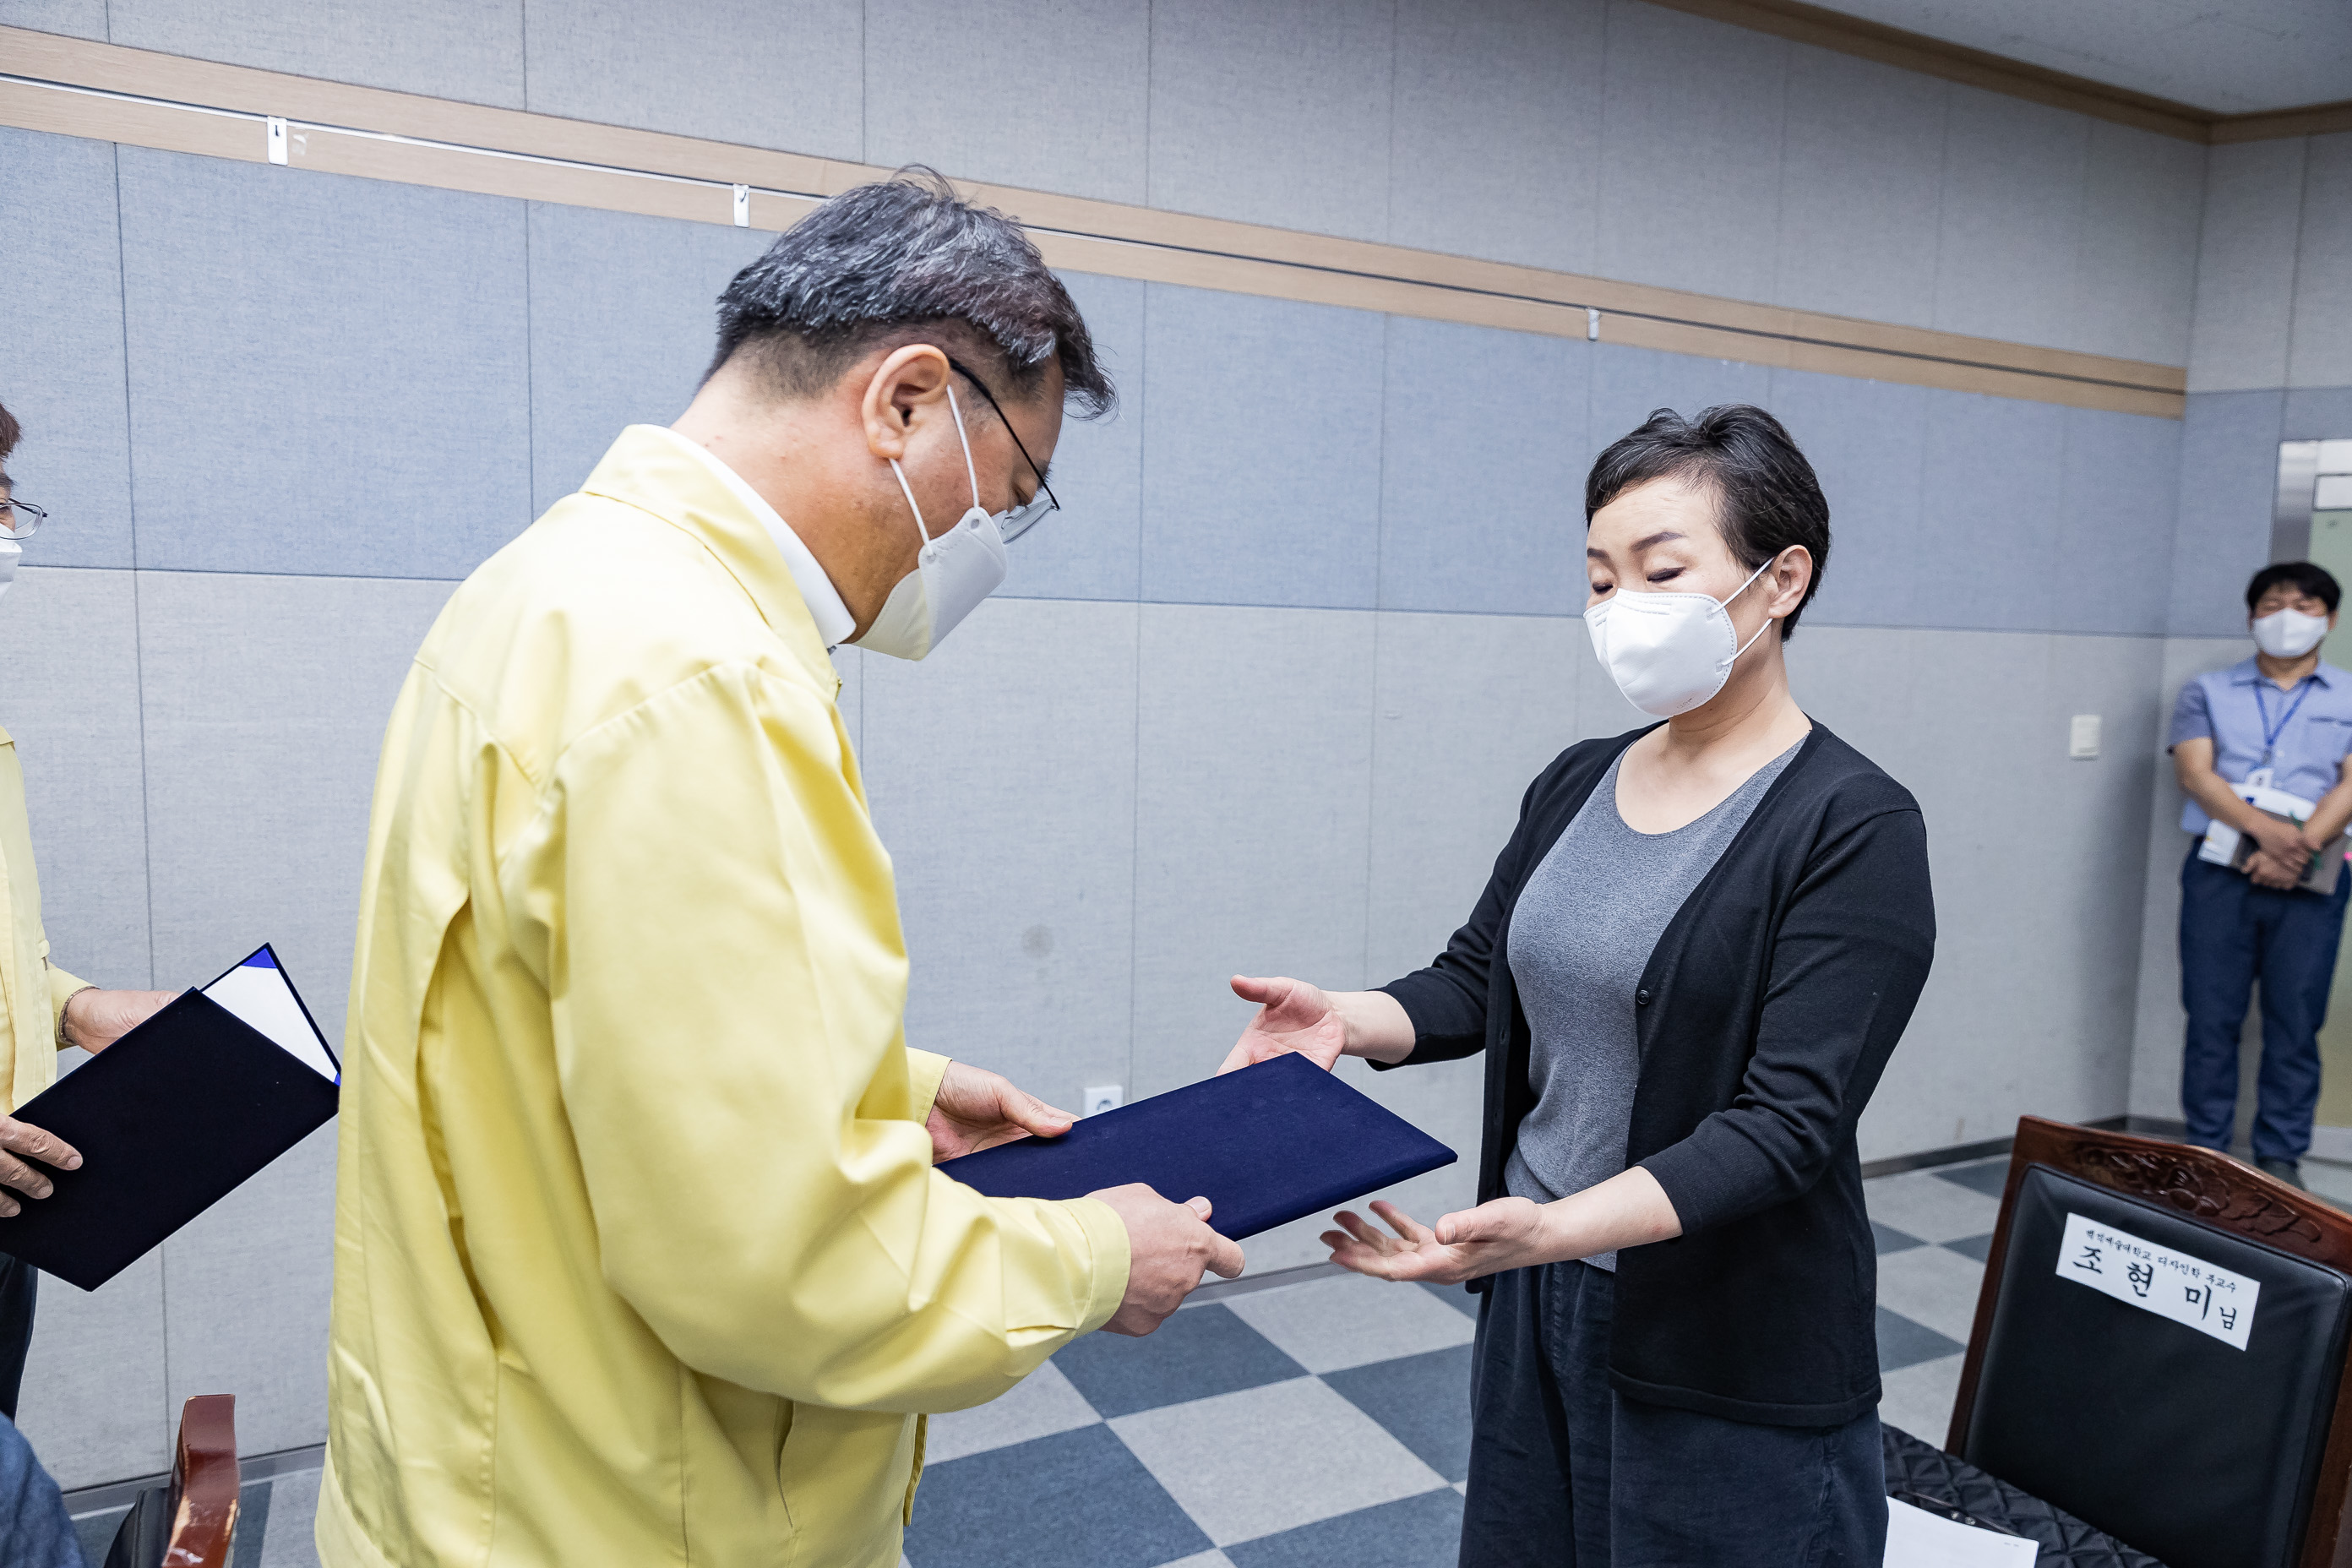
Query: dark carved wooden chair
{"points": [[192, 1522], [2161, 1350]]}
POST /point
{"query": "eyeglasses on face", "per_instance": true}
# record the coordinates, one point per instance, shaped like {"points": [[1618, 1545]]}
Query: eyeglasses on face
{"points": [[1017, 520], [20, 519]]}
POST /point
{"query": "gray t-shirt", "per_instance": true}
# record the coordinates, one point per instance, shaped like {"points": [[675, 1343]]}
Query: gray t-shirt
{"points": [[1582, 932]]}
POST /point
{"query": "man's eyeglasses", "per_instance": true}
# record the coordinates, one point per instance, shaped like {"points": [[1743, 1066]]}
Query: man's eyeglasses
{"points": [[1020, 519], [20, 519]]}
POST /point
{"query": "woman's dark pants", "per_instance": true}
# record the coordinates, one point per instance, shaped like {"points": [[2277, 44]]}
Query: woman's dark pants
{"points": [[1566, 1473]]}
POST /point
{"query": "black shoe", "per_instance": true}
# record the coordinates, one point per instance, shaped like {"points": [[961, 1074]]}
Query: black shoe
{"points": [[2287, 1171]]}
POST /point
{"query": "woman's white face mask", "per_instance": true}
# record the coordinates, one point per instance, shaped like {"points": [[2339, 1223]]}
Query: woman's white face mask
{"points": [[1669, 653], [953, 573]]}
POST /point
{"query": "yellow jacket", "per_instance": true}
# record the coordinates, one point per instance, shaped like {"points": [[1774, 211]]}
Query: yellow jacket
{"points": [[32, 989], [639, 1256]]}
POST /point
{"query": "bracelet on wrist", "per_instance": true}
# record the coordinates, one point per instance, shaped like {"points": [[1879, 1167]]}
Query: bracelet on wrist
{"points": [[62, 1041]]}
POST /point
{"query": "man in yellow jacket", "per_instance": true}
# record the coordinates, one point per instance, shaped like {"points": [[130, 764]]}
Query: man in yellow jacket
{"points": [[42, 1007], [640, 1256]]}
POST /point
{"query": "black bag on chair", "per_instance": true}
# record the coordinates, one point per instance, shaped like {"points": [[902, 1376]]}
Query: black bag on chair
{"points": [[1920, 1474]]}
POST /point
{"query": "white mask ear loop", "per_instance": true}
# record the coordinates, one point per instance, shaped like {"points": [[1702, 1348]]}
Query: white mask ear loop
{"points": [[923, 532], [969, 472], [1727, 611]]}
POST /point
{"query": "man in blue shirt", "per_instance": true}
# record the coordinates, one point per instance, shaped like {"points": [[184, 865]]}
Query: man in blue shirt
{"points": [[2284, 720]]}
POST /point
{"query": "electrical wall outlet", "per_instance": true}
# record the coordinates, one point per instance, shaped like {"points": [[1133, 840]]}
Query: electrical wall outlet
{"points": [[1103, 1097], [2083, 737]]}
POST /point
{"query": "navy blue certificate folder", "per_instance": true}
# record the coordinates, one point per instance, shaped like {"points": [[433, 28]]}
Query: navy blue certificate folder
{"points": [[1264, 1145], [170, 1118]]}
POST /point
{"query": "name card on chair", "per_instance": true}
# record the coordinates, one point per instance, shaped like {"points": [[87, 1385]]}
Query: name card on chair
{"points": [[2156, 1279]]}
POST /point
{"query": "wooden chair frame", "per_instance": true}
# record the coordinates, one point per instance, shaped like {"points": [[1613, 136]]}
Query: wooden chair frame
{"points": [[205, 1484], [2220, 1192]]}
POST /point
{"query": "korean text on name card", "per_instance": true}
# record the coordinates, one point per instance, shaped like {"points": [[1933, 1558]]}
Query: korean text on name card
{"points": [[2154, 1279]]}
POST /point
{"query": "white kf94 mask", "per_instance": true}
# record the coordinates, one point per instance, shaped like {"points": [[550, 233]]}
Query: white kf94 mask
{"points": [[2289, 634], [1668, 653], [953, 573]]}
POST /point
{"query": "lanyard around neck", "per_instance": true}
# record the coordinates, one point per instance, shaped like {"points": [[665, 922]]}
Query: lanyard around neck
{"points": [[2271, 732]]}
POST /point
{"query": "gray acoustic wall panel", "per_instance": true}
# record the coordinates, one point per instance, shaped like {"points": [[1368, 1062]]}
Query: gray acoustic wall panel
{"points": [[2228, 475], [70, 643], [266, 701], [247, 1288], [1252, 801], [787, 74], [1467, 709], [2245, 265], [74, 18], [1275, 114], [1002, 771], [61, 344], [1500, 533], [466, 50], [1861, 187], [328, 373], [2111, 569], [2321, 354], [2136, 268], [1867, 441], [624, 318], [2012, 218], [1990, 490], [2317, 414], [1690, 172], [1261, 458], [2028, 1008], [1093, 547], [938, 75], [1496, 146], [94, 1403]]}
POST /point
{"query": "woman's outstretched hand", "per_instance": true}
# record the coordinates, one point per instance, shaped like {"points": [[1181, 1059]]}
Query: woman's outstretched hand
{"points": [[1508, 1233], [1292, 1016]]}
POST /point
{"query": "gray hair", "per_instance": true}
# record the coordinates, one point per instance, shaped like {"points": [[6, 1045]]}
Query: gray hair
{"points": [[907, 258]]}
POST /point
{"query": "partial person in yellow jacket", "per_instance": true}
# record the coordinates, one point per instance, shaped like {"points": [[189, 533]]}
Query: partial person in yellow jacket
{"points": [[640, 1256], [43, 1009]]}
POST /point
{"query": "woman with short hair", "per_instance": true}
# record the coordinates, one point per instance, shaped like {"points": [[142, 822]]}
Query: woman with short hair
{"points": [[1687, 971]]}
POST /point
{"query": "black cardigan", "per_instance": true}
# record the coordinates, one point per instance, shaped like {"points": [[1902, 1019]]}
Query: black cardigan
{"points": [[1766, 1015]]}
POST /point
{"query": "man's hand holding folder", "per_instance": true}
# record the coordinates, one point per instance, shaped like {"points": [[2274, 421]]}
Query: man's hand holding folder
{"points": [[94, 1019], [976, 1110]]}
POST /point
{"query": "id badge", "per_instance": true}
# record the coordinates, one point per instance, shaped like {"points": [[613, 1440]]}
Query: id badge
{"points": [[2258, 779]]}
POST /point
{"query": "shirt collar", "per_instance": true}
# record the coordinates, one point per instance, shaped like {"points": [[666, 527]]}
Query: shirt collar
{"points": [[2251, 674], [833, 621]]}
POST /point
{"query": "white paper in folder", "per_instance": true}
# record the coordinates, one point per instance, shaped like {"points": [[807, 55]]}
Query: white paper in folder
{"points": [[1918, 1539], [258, 992]]}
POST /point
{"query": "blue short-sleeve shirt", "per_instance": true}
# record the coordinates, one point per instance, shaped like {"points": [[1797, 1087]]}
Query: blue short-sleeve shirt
{"points": [[2223, 706]]}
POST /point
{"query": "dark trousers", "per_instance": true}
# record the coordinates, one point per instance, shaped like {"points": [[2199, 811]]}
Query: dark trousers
{"points": [[2233, 933], [1566, 1473], [16, 1283]]}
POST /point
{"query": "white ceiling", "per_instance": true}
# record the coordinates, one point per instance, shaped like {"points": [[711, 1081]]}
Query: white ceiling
{"points": [[2226, 56]]}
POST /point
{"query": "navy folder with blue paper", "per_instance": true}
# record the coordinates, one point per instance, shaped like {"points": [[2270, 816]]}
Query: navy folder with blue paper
{"points": [[170, 1118], [1266, 1145]]}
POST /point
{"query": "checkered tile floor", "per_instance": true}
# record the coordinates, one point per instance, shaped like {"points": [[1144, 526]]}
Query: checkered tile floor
{"points": [[1328, 1423]]}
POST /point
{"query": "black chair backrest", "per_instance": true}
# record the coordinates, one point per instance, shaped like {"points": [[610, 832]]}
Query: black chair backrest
{"points": [[2169, 1381]]}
